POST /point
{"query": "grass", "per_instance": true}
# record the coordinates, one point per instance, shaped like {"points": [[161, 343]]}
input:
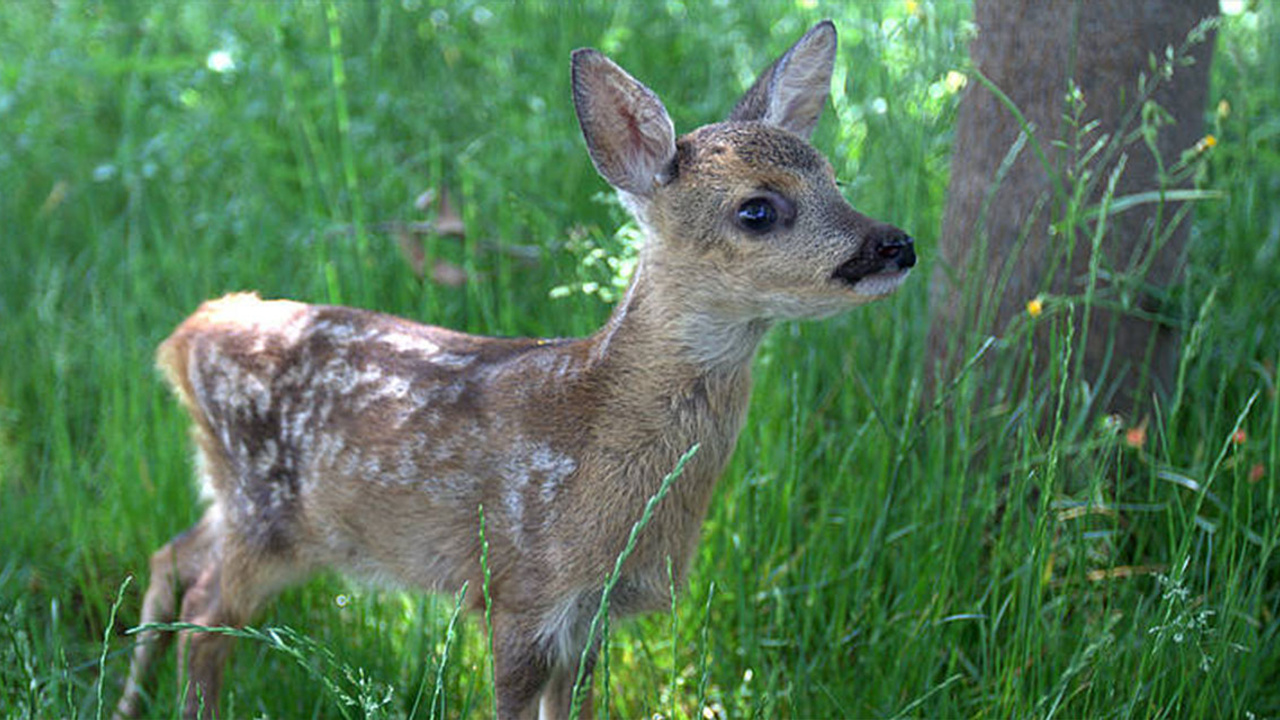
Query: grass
{"points": [[863, 557]]}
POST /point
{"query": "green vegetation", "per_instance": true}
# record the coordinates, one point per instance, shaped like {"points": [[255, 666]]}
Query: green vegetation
{"points": [[863, 557]]}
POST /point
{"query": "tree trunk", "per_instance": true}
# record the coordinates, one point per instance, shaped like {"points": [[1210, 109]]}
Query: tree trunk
{"points": [[1001, 243]]}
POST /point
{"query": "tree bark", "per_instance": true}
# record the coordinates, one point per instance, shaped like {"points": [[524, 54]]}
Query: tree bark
{"points": [[1000, 246]]}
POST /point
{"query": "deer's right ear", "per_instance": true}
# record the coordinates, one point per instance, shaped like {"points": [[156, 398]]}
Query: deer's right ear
{"points": [[629, 135]]}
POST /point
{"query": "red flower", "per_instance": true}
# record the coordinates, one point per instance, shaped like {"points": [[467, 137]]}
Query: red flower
{"points": [[1136, 437]]}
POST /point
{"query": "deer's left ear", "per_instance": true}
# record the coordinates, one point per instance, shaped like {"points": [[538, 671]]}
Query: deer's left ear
{"points": [[791, 92]]}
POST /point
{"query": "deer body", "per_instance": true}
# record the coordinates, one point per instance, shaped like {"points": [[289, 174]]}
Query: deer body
{"points": [[294, 405], [343, 438]]}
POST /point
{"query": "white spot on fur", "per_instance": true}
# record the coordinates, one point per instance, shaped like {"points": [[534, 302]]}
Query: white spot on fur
{"points": [[513, 502], [281, 495], [452, 360], [553, 367], [554, 468], [328, 447], [222, 383], [342, 333], [204, 477], [267, 459], [407, 469], [404, 342], [342, 379], [351, 461], [395, 387], [253, 388], [531, 466]]}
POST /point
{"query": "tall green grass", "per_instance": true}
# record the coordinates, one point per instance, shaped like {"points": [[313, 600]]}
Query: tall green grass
{"points": [[864, 556]]}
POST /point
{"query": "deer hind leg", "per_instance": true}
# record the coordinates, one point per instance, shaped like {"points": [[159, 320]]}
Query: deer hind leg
{"points": [[535, 677], [557, 696], [521, 667], [202, 655], [230, 589], [564, 636], [175, 568]]}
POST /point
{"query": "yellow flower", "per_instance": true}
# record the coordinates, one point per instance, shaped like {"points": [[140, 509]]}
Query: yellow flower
{"points": [[1205, 143], [1224, 109], [1035, 306], [954, 81]]}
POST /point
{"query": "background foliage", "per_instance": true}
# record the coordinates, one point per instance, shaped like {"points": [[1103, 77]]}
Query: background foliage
{"points": [[864, 557]]}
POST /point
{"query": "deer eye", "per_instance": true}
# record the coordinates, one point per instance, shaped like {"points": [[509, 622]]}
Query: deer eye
{"points": [[757, 215]]}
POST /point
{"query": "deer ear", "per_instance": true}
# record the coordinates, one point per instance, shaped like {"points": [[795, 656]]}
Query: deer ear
{"points": [[790, 93], [629, 135]]}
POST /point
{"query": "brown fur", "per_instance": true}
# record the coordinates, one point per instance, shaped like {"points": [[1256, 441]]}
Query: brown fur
{"points": [[335, 437]]}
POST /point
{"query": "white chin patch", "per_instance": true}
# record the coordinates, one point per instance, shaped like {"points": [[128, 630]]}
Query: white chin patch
{"points": [[880, 284]]}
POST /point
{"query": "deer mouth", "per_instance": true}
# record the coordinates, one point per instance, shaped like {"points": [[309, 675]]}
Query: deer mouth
{"points": [[874, 277], [878, 269], [878, 284]]}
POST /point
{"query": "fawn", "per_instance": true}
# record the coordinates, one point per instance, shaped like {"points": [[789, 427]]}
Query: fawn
{"points": [[336, 437]]}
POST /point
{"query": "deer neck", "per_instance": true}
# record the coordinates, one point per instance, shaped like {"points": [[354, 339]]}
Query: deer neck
{"points": [[672, 375], [667, 355], [668, 321]]}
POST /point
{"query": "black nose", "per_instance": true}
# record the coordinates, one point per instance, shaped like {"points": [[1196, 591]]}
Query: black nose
{"points": [[893, 245]]}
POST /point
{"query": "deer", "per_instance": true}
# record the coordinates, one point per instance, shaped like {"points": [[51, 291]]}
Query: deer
{"points": [[342, 438]]}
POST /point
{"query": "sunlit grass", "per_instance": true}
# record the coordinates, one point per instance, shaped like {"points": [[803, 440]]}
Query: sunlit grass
{"points": [[867, 554]]}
